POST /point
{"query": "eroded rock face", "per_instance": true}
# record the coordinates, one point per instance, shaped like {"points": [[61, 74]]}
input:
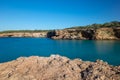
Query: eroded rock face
{"points": [[87, 34], [73, 34], [105, 34], [117, 32], [24, 34], [57, 67]]}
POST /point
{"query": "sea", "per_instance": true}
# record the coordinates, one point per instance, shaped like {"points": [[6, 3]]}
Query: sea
{"points": [[87, 50]]}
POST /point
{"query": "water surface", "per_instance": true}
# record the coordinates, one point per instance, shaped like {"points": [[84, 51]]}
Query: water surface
{"points": [[107, 50]]}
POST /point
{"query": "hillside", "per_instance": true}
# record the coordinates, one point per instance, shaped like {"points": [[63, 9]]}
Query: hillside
{"points": [[112, 24], [106, 31]]}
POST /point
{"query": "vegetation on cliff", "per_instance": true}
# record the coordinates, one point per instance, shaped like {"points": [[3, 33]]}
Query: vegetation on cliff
{"points": [[106, 31], [112, 24], [29, 31]]}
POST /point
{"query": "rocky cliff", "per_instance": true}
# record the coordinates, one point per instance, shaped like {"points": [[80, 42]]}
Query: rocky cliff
{"points": [[89, 34], [57, 67], [24, 34], [78, 34]]}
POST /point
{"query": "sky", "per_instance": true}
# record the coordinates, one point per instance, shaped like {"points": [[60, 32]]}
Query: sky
{"points": [[56, 14]]}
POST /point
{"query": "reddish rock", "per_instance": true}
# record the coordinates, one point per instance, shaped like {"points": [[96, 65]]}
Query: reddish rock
{"points": [[88, 34], [105, 34], [57, 67]]}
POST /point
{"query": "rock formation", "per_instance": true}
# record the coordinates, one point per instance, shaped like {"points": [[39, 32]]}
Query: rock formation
{"points": [[70, 34], [87, 34], [57, 67], [105, 33], [24, 34]]}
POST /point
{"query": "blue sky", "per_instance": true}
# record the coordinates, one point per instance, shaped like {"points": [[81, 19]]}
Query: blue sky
{"points": [[56, 14]]}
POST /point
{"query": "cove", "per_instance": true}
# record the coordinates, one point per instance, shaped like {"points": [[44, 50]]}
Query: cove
{"points": [[88, 50]]}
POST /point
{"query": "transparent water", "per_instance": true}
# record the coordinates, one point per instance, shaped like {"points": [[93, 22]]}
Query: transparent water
{"points": [[88, 50]]}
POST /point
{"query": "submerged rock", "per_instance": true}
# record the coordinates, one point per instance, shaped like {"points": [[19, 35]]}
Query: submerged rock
{"points": [[57, 67]]}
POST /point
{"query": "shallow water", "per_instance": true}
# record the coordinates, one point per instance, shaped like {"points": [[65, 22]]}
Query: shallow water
{"points": [[107, 50]]}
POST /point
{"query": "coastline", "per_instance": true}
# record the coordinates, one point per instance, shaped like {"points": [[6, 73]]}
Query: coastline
{"points": [[57, 67], [71, 34], [86, 34], [23, 34]]}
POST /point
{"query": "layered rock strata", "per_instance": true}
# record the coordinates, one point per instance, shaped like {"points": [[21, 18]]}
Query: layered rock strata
{"points": [[77, 34], [24, 34], [57, 67], [86, 34]]}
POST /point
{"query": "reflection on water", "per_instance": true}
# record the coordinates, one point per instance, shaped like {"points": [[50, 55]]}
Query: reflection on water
{"points": [[12, 48], [104, 47]]}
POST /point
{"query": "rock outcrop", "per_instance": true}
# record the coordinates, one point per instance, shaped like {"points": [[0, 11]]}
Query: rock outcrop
{"points": [[24, 34], [57, 67], [105, 34], [87, 34], [72, 34], [77, 34]]}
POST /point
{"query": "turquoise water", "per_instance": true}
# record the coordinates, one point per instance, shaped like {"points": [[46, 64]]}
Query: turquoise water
{"points": [[12, 48]]}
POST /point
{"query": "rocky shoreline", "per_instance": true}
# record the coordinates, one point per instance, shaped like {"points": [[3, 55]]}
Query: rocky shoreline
{"points": [[57, 67], [71, 34], [24, 34], [86, 34]]}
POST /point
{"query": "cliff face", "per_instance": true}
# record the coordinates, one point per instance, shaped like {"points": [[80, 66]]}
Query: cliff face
{"points": [[57, 67], [89, 34], [105, 33], [73, 34], [24, 34], [78, 34]]}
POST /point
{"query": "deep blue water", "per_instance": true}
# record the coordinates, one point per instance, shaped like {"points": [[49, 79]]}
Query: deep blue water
{"points": [[107, 50]]}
